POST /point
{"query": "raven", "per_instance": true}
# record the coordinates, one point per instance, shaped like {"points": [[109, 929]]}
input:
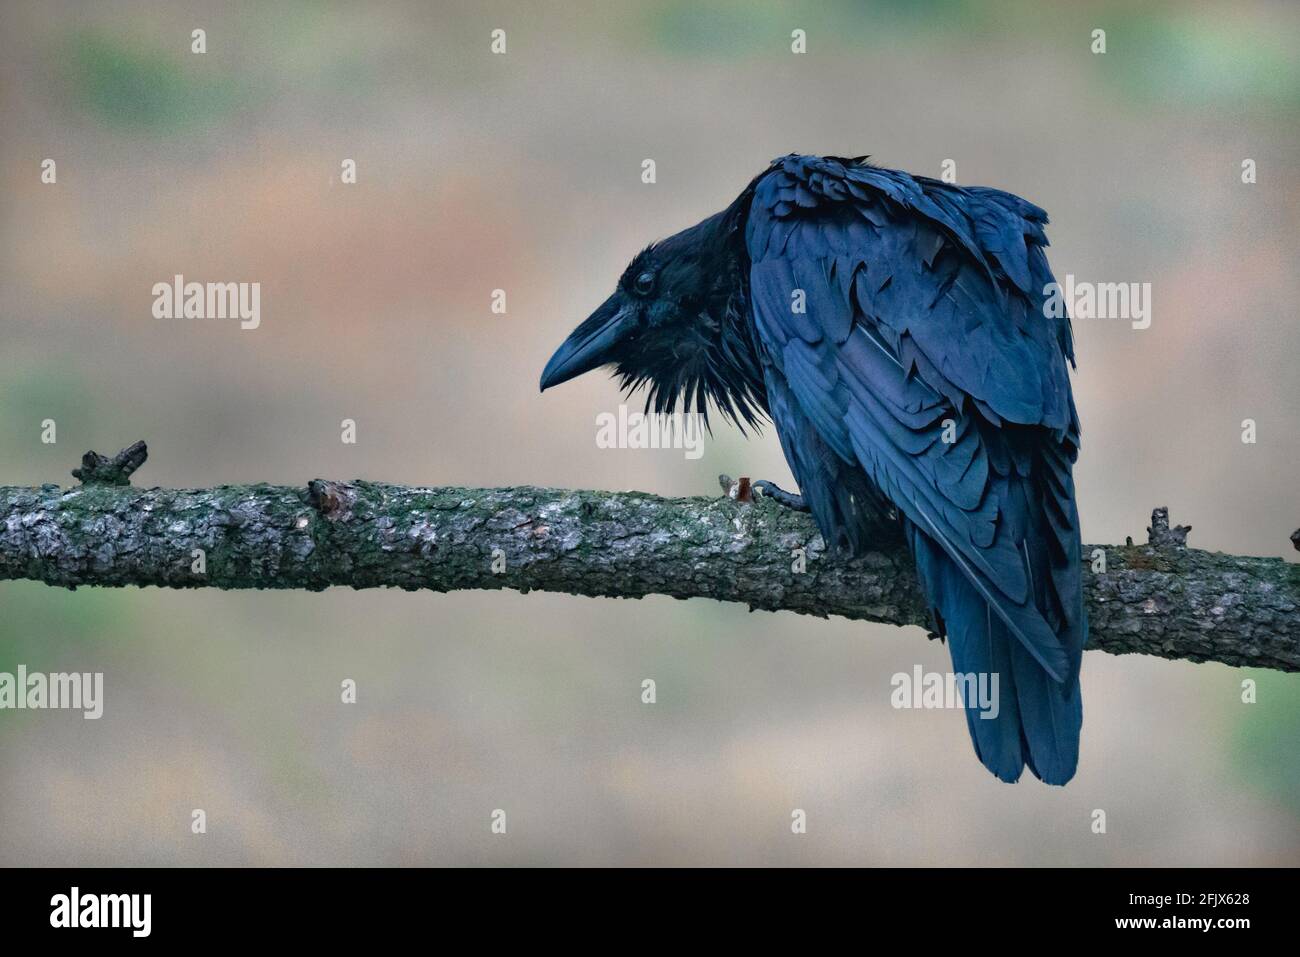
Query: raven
{"points": [[894, 329]]}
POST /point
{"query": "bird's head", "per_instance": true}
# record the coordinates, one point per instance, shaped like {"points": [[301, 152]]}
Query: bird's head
{"points": [[676, 324]]}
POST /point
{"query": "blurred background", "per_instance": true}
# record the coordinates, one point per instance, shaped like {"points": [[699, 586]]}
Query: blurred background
{"points": [[522, 172]]}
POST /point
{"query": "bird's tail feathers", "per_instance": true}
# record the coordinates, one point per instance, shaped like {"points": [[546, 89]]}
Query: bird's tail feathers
{"points": [[1032, 719]]}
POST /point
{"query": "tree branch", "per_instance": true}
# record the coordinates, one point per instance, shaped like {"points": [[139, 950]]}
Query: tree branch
{"points": [[1161, 598]]}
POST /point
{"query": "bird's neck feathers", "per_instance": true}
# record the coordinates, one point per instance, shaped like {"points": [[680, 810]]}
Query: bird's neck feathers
{"points": [[715, 360]]}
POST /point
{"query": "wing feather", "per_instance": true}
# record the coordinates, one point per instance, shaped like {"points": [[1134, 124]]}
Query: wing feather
{"points": [[924, 358]]}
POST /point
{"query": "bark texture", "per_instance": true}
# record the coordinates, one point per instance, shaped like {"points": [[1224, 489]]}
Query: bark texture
{"points": [[1161, 598]]}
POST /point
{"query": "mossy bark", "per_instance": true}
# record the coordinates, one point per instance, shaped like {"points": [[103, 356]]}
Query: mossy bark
{"points": [[1160, 599]]}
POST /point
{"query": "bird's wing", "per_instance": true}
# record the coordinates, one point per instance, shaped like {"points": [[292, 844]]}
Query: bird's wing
{"points": [[891, 310]]}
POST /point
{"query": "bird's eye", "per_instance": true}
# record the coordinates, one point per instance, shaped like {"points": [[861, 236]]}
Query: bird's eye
{"points": [[644, 284]]}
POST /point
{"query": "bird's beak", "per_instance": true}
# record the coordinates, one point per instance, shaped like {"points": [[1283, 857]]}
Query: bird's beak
{"points": [[591, 345]]}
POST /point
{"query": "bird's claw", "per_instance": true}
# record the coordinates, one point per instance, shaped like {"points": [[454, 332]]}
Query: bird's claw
{"points": [[781, 496]]}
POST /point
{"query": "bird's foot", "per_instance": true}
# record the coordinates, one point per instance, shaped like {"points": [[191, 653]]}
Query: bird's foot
{"points": [[781, 496]]}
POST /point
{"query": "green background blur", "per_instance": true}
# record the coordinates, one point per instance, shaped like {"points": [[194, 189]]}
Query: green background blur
{"points": [[522, 172]]}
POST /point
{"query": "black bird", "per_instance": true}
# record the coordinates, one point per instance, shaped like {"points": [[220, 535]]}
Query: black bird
{"points": [[895, 330]]}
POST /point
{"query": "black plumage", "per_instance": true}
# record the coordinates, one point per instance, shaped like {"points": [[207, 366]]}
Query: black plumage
{"points": [[893, 328]]}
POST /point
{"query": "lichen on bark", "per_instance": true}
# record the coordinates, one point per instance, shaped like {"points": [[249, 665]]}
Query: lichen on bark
{"points": [[1161, 598]]}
